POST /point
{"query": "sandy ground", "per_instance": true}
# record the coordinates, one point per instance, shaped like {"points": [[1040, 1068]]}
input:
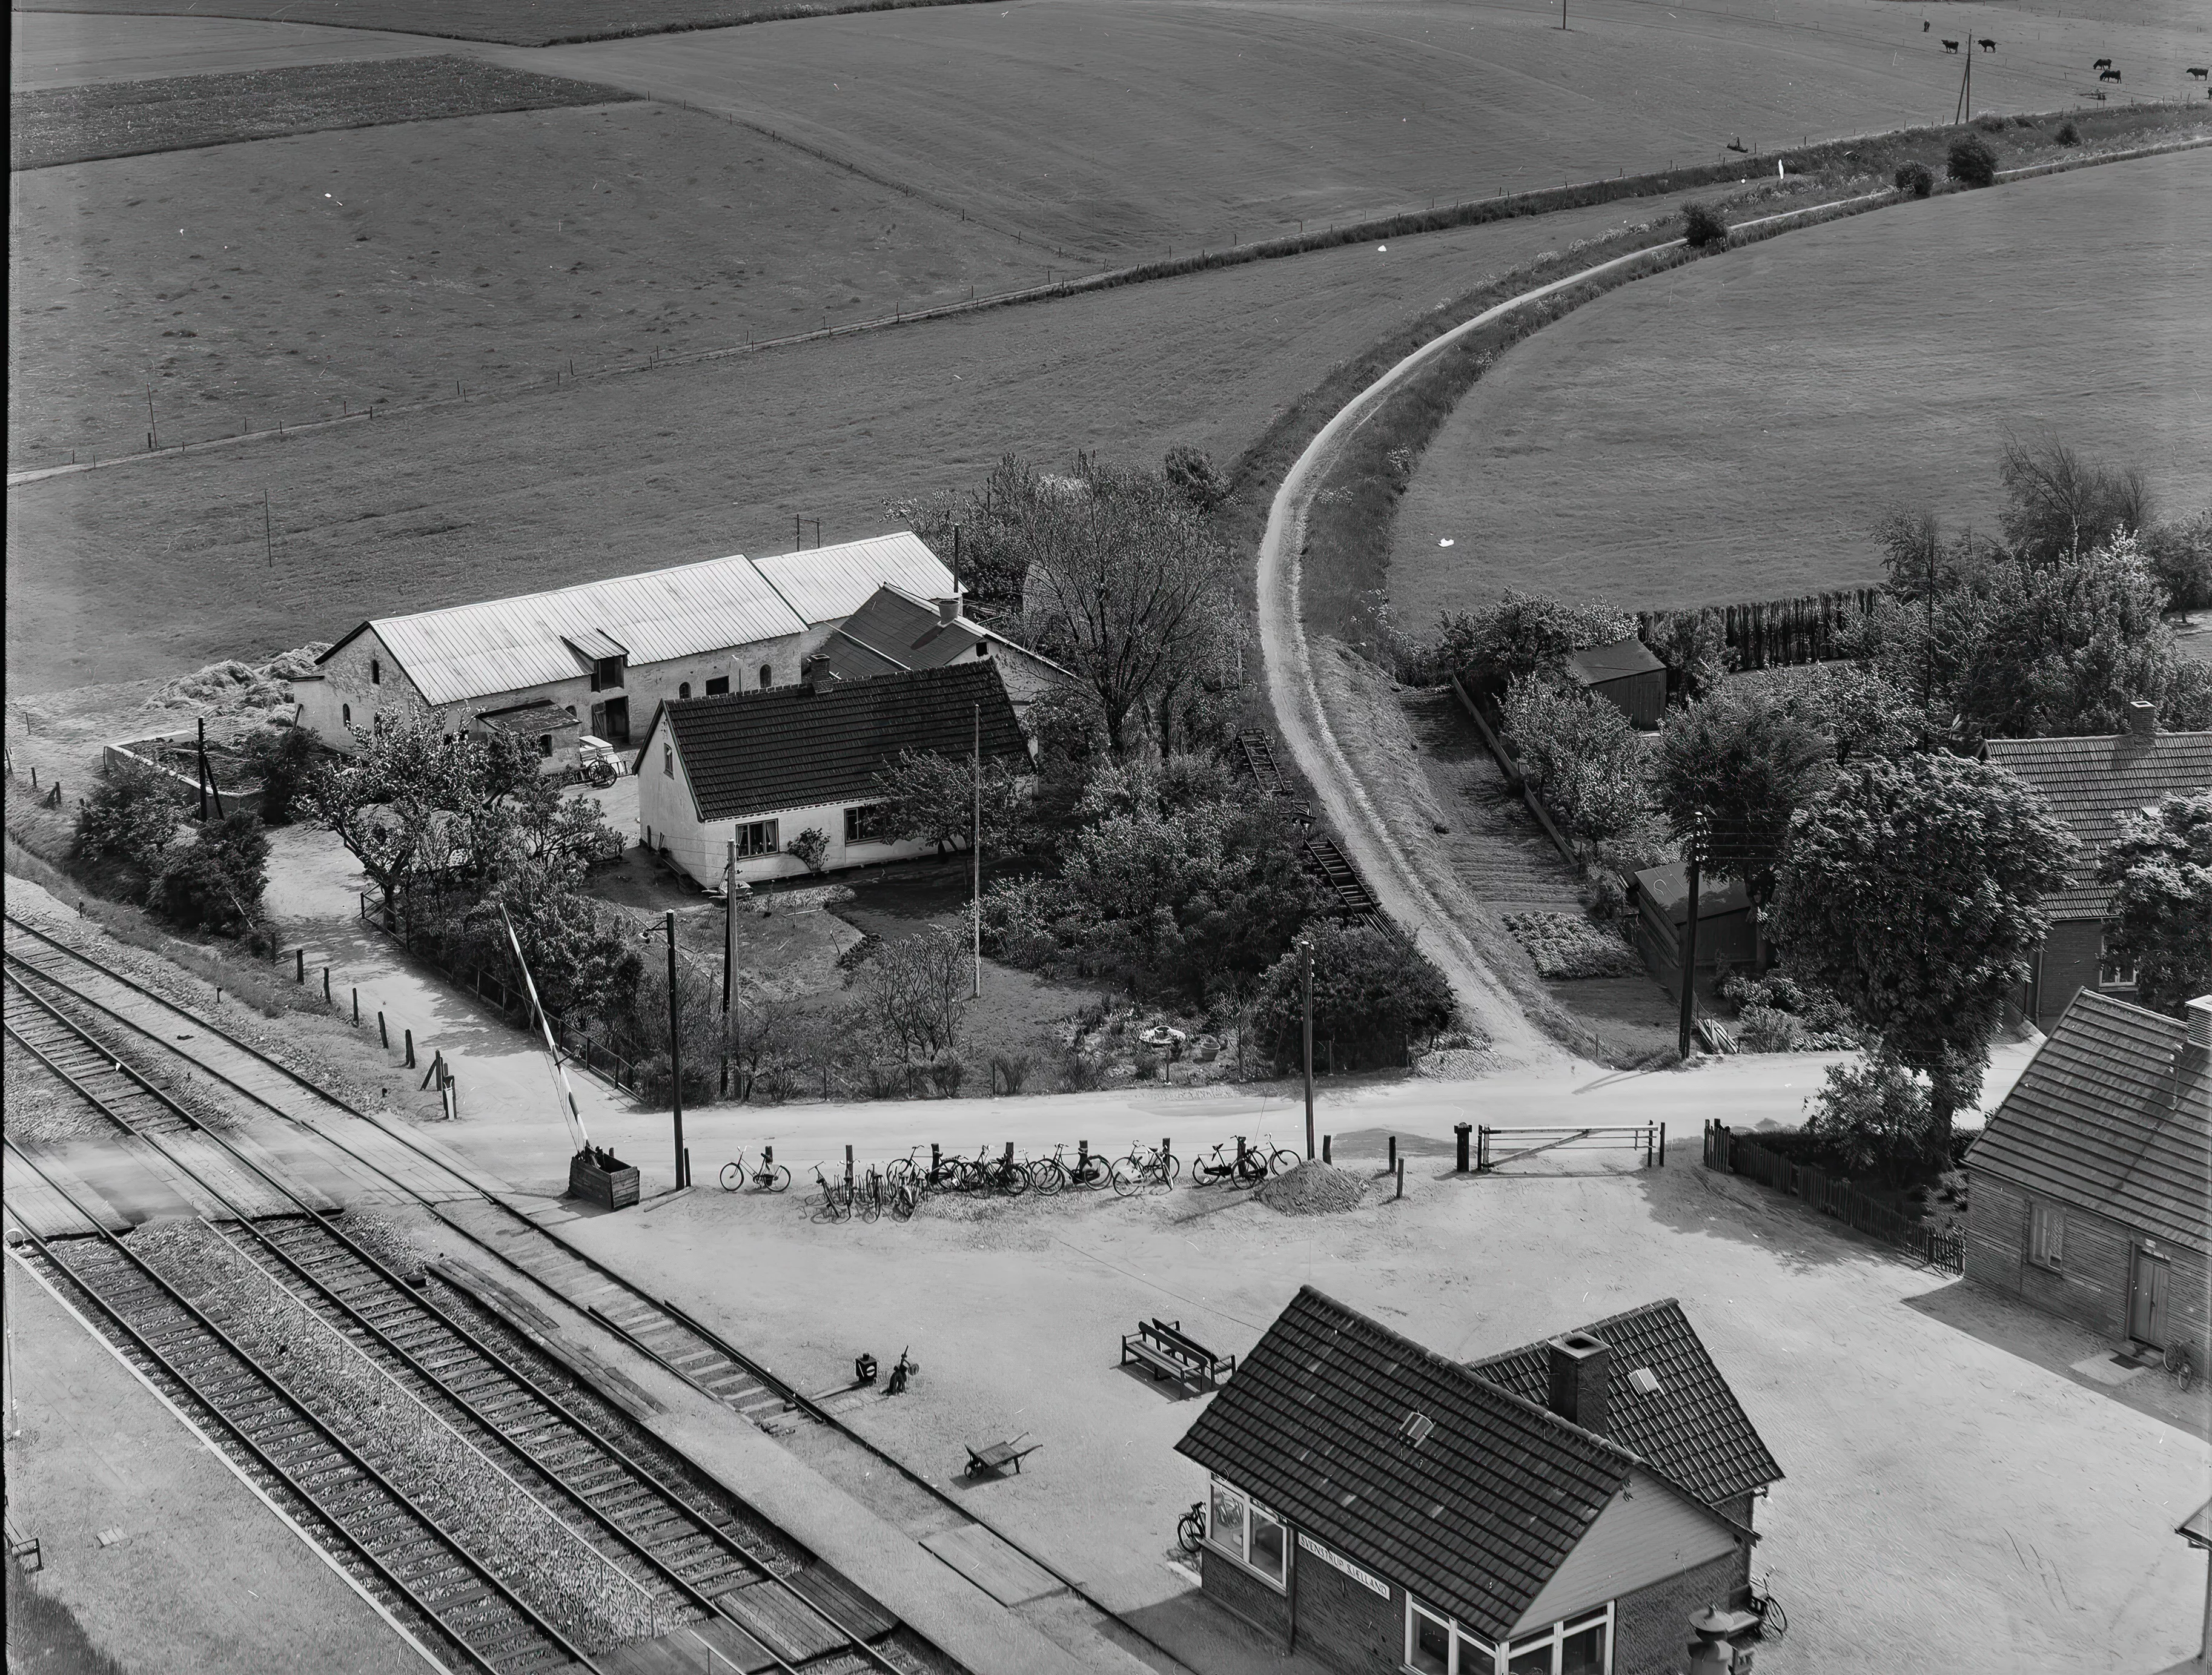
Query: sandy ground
{"points": [[1731, 431], [70, 49], [201, 1576], [1955, 1497]]}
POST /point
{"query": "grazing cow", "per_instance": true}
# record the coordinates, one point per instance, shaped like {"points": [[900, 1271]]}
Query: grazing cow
{"points": [[1950, 46], [1924, 26], [2102, 63], [1986, 44], [2199, 71], [2108, 76]]}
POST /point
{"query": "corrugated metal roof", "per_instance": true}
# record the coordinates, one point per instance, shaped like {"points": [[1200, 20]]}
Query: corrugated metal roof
{"points": [[476, 651], [2113, 1114], [823, 584], [2093, 785]]}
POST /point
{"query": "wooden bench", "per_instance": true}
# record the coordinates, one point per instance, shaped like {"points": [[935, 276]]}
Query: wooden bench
{"points": [[1162, 1346]]}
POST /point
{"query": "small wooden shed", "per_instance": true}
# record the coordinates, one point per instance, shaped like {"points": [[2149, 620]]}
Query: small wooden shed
{"points": [[1660, 896], [1627, 675]]}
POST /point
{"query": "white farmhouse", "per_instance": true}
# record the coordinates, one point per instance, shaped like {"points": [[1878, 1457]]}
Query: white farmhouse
{"points": [[588, 659], [759, 768]]}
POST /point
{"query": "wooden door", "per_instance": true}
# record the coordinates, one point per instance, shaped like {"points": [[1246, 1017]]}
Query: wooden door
{"points": [[2147, 1300]]}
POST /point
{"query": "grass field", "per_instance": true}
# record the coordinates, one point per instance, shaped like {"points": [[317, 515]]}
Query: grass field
{"points": [[158, 566], [275, 282], [520, 22], [57, 125], [1730, 431], [70, 48], [1119, 128]]}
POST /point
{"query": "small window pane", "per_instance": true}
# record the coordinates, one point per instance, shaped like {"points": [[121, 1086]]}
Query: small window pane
{"points": [[718, 685], [1431, 1647], [767, 676], [2046, 1234], [1582, 1653], [1536, 1660], [1226, 1525], [1267, 1557], [684, 689]]}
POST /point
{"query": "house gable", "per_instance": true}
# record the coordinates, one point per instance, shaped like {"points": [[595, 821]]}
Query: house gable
{"points": [[1647, 1532]]}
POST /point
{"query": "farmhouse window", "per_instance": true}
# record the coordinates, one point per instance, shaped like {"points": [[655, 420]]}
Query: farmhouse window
{"points": [[375, 671], [1248, 1533], [718, 685], [545, 745], [607, 673], [684, 689], [2046, 1234], [767, 677], [345, 715], [1583, 1648], [865, 824], [758, 837], [668, 761], [2114, 971]]}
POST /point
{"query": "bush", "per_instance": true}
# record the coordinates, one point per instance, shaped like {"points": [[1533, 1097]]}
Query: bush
{"points": [[282, 757], [2068, 134], [1080, 1071], [1916, 178], [1871, 1119], [811, 848], [915, 993], [217, 883], [1374, 993], [947, 1071], [1702, 226], [1009, 1072], [1971, 162], [1525, 634], [1594, 774], [128, 822], [1194, 476], [2179, 555], [1566, 945]]}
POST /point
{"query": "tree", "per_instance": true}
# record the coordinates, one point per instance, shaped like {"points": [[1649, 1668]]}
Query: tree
{"points": [[2179, 555], [1526, 634], [1863, 711], [1192, 475], [2160, 917], [1583, 752], [1871, 1118], [128, 822], [1703, 226], [217, 881], [1694, 648], [933, 798], [1970, 163], [1125, 586], [1915, 178], [282, 757], [915, 993], [1912, 890], [1737, 767], [1374, 993], [2059, 502]]}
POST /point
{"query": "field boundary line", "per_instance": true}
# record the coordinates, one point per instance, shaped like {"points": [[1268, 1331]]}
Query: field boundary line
{"points": [[1143, 273], [223, 1455]]}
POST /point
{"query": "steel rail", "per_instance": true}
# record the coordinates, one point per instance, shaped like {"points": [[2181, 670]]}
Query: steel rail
{"points": [[236, 1427]]}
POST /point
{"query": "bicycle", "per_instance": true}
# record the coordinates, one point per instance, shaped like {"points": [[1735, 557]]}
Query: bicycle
{"points": [[2178, 1366], [770, 1177], [1773, 1620], [1049, 1174], [1156, 1169], [837, 1203], [870, 1191], [1190, 1528]]}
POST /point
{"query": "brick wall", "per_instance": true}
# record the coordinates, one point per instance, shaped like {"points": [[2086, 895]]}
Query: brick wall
{"points": [[1651, 1627], [1349, 1627], [1230, 1585], [1744, 1510], [2096, 1268], [2069, 963]]}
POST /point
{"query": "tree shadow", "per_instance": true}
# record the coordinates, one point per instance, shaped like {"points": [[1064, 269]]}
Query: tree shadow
{"points": [[1692, 1198]]}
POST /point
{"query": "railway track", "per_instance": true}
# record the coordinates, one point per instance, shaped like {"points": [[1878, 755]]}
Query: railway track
{"points": [[696, 1561]]}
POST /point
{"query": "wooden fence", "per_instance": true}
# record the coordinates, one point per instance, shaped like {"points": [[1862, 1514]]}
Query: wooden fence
{"points": [[1734, 1155], [1482, 709], [1774, 634]]}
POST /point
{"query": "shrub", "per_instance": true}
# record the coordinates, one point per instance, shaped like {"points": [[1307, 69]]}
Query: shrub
{"points": [[811, 848], [915, 992], [947, 1071], [282, 757], [1373, 994], [218, 881], [1080, 1071], [1916, 178], [2068, 134], [1991, 125], [1971, 162], [1566, 945], [886, 1078], [1702, 226], [1525, 634], [1009, 1072], [1594, 774], [128, 822], [1871, 1118], [2179, 555], [1147, 1064], [1194, 476]]}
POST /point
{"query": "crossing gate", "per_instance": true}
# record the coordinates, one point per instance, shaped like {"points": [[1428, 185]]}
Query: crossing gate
{"points": [[1497, 1145]]}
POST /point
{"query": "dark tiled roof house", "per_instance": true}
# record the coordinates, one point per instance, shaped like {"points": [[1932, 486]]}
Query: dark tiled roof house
{"points": [[2095, 785], [2090, 1191], [894, 630], [759, 769], [1382, 1509]]}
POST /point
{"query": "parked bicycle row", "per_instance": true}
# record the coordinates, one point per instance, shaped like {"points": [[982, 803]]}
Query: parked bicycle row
{"points": [[867, 1193]]}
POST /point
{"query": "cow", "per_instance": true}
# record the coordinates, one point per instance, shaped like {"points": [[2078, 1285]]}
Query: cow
{"points": [[2102, 63], [1950, 46], [1986, 44], [2199, 71], [2108, 76]]}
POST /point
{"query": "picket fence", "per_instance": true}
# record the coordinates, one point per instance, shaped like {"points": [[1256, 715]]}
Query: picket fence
{"points": [[1734, 1155]]}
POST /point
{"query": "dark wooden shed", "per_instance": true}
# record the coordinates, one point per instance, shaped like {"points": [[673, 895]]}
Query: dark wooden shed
{"points": [[1661, 896], [1626, 675]]}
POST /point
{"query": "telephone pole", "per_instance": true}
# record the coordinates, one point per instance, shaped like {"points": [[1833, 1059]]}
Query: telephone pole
{"points": [[975, 853], [1689, 950], [1306, 948], [729, 952], [676, 1052]]}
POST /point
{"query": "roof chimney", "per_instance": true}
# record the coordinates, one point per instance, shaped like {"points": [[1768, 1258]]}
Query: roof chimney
{"points": [[948, 611], [814, 672], [1579, 1364], [2143, 718]]}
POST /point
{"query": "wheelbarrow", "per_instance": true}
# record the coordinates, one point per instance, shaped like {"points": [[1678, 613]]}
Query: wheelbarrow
{"points": [[994, 1458]]}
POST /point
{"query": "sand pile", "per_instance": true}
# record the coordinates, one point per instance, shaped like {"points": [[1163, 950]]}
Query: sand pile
{"points": [[1313, 1189]]}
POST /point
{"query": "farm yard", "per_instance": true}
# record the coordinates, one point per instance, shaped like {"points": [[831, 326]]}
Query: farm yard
{"points": [[1731, 430], [545, 488]]}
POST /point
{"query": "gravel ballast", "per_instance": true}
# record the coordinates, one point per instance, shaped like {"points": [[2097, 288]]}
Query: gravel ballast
{"points": [[1313, 1189]]}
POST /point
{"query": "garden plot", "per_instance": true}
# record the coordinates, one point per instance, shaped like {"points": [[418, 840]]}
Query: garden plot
{"points": [[1902, 1436], [1730, 431]]}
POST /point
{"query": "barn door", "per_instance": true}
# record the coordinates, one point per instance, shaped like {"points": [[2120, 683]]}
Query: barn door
{"points": [[2147, 1300]]}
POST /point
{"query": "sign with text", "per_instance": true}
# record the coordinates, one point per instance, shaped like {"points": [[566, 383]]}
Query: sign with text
{"points": [[1373, 1584]]}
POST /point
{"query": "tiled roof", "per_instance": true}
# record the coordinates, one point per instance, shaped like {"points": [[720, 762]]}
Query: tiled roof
{"points": [[791, 747], [1475, 1518], [1691, 1427], [894, 630], [2113, 1114], [1596, 664], [2094, 784]]}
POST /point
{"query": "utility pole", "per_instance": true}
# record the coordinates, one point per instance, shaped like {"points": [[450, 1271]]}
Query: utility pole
{"points": [[729, 952], [1305, 948], [816, 522], [976, 857], [268, 539], [1689, 948], [798, 532], [676, 1052], [955, 561], [203, 768]]}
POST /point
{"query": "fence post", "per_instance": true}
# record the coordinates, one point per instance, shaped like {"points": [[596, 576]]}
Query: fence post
{"points": [[1400, 1192], [298, 965], [1663, 1145], [383, 1033], [1325, 1140], [326, 986], [1391, 1162], [1461, 1131], [410, 1050], [357, 1004], [848, 1169]]}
